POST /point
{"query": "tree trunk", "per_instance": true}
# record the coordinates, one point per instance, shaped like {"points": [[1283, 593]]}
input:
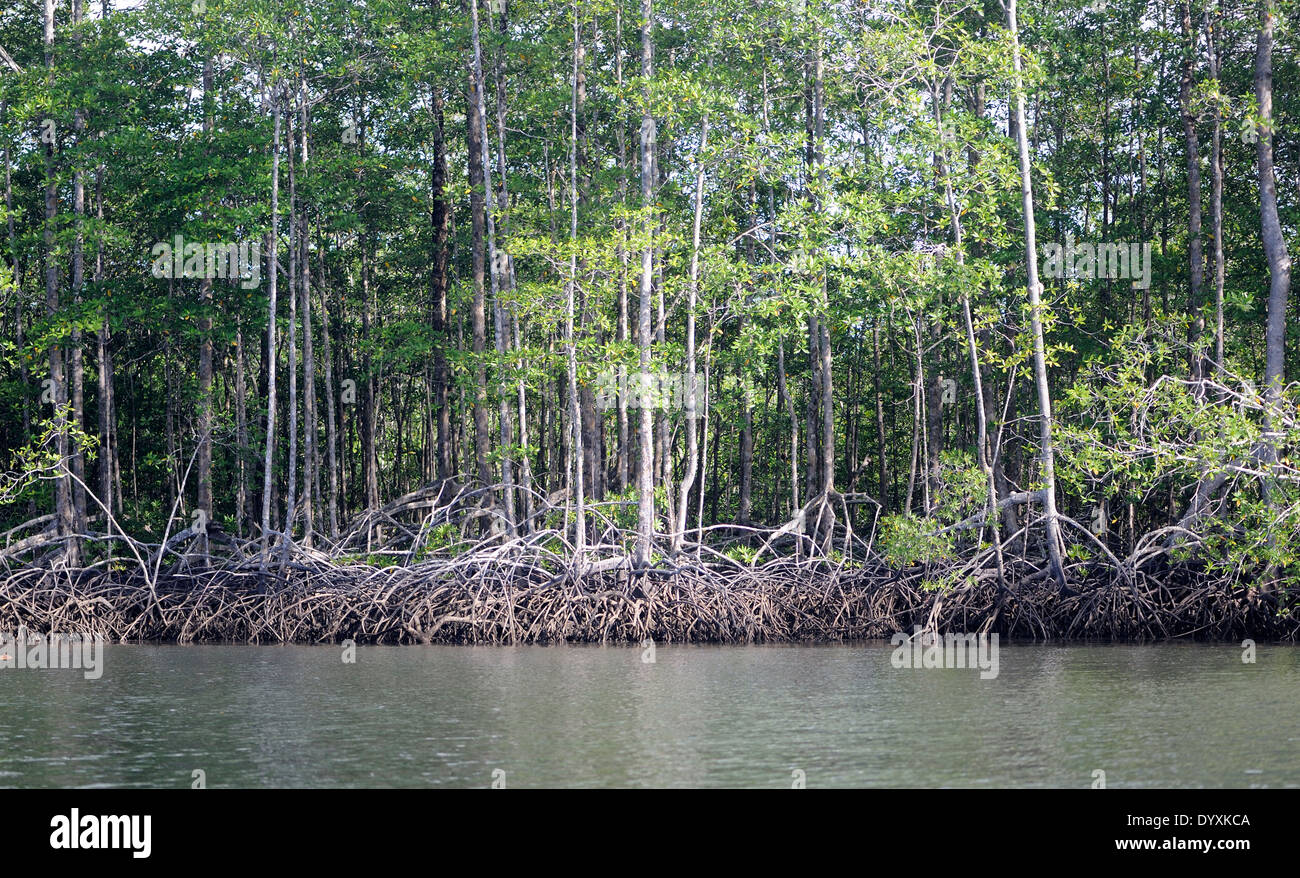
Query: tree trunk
{"points": [[478, 312], [63, 508], [442, 214], [1195, 251], [981, 442], [494, 272], [291, 495], [242, 494], [203, 456], [1046, 451], [273, 253], [580, 523], [1275, 251], [23, 372], [783, 390], [824, 319], [331, 397], [645, 474], [692, 294], [311, 482], [77, 370], [507, 269], [1212, 49], [624, 435], [881, 460]]}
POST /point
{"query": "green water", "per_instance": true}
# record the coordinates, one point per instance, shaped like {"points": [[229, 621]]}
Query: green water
{"points": [[1168, 715]]}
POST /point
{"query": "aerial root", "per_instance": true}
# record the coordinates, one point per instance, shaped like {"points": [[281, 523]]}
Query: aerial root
{"points": [[525, 599], [442, 565]]}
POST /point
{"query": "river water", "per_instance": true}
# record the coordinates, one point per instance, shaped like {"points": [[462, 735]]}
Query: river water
{"points": [[1181, 715]]}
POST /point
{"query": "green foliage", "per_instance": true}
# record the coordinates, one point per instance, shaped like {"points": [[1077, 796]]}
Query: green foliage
{"points": [[907, 540], [742, 554], [853, 230], [442, 540], [963, 488]]}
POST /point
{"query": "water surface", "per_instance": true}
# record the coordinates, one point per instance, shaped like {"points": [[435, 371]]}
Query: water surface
{"points": [[1180, 715]]}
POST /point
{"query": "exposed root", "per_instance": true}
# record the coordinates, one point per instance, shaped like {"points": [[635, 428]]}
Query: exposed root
{"points": [[386, 580], [518, 597]]}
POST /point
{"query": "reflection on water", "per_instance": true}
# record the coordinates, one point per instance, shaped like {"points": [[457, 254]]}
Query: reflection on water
{"points": [[1171, 715]]}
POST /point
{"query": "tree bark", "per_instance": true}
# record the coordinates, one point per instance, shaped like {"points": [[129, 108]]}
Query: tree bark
{"points": [[203, 456], [881, 459], [311, 482], [645, 474], [474, 129], [1195, 246], [494, 272], [1046, 450], [291, 495], [692, 295], [620, 135], [575, 408], [1212, 49], [75, 353], [63, 508], [1275, 250], [441, 220], [272, 260]]}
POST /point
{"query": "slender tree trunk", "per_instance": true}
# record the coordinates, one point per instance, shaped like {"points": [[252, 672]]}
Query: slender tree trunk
{"points": [[1195, 251], [575, 409], [273, 255], [982, 450], [645, 475], [592, 439], [442, 215], [918, 394], [620, 134], [203, 461], [311, 468], [295, 233], [370, 403], [1275, 250], [496, 262], [1201, 494], [812, 473], [824, 319], [783, 387], [1212, 48], [692, 294], [1105, 298], [331, 397], [704, 440], [745, 510], [506, 269], [478, 191], [63, 508], [881, 459], [662, 452], [23, 371], [933, 384], [242, 513], [75, 352], [1046, 451]]}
